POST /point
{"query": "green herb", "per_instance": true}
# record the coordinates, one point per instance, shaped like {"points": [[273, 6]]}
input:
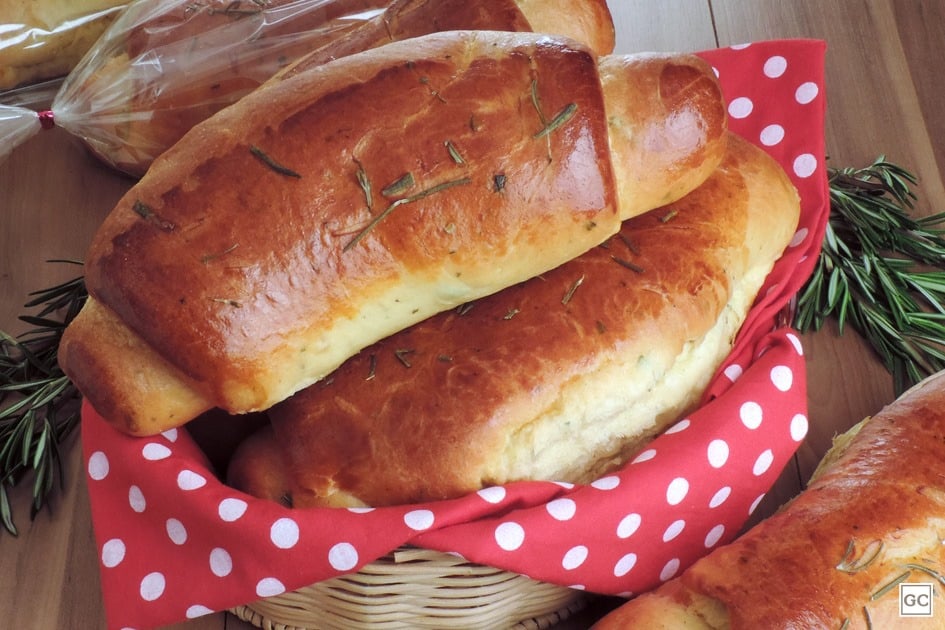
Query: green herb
{"points": [[881, 271], [210, 257], [462, 309], [536, 103], [420, 195], [401, 354], [147, 213], [499, 181], [628, 243], [560, 118], [669, 216], [454, 152], [399, 186], [629, 265], [928, 571], [263, 157], [845, 624], [902, 577], [547, 126], [849, 564], [570, 293], [228, 302], [38, 404], [365, 183]]}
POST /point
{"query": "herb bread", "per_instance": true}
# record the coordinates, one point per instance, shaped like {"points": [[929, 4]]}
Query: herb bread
{"points": [[563, 377], [833, 557], [331, 209]]}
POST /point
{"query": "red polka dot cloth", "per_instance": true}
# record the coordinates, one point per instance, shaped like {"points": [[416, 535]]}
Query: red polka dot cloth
{"points": [[175, 543]]}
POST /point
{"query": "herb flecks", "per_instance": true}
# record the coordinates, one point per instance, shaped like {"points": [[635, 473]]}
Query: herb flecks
{"points": [[548, 126], [264, 157], [402, 355], [570, 293], [372, 368], [899, 579], [405, 200], [628, 265], [536, 103], [560, 118], [512, 312], [399, 186], [628, 243], [499, 180], [669, 216], [454, 153], [207, 258], [147, 213], [228, 302], [365, 183], [850, 564]]}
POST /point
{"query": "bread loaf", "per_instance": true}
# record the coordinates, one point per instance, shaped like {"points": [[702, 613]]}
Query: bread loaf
{"points": [[832, 557], [563, 377], [44, 39], [214, 52], [326, 211]]}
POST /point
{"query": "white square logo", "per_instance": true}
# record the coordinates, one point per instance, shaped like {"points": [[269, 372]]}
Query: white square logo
{"points": [[915, 600]]}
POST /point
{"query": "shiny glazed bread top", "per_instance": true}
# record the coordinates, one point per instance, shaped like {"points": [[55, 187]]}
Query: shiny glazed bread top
{"points": [[328, 210]]}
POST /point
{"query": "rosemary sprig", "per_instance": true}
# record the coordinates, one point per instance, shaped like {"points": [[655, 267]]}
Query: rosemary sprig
{"points": [[404, 200], [38, 404], [881, 271]]}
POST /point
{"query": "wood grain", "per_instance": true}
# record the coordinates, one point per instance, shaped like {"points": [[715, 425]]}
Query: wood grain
{"points": [[884, 95]]}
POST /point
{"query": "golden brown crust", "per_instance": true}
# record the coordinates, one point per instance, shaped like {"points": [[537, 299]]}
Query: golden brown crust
{"points": [[812, 564], [667, 122], [153, 395], [587, 21], [529, 382], [340, 28], [248, 280], [251, 278]]}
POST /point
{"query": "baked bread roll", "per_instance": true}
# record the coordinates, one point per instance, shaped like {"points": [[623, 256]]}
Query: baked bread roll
{"points": [[832, 557], [326, 211], [214, 52], [45, 39], [563, 377]]}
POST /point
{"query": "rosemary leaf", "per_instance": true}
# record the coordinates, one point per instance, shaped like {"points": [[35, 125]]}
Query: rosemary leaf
{"points": [[38, 404], [560, 118], [902, 577], [402, 201], [881, 271], [399, 186], [264, 157]]}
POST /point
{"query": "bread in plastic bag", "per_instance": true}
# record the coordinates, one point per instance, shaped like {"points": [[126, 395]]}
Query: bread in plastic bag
{"points": [[164, 66], [45, 39]]}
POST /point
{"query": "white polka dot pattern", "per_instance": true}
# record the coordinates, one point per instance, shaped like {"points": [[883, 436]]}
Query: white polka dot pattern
{"points": [[177, 544]]}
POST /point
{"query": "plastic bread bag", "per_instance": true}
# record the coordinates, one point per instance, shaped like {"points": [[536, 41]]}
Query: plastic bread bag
{"points": [[163, 66], [45, 39]]}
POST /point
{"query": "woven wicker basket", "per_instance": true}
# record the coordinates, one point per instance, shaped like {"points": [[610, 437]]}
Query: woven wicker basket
{"points": [[418, 588]]}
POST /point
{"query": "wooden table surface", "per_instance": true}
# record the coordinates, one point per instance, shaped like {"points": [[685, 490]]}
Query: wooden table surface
{"points": [[884, 95]]}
